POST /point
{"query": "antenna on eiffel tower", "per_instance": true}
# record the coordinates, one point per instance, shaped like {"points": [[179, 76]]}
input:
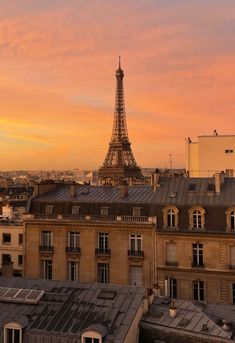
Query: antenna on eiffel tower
{"points": [[119, 163]]}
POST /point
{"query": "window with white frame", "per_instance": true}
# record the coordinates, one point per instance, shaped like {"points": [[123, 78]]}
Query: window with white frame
{"points": [[103, 242], [232, 257], [198, 290], [170, 217], [104, 211], [136, 211], [73, 240], [46, 269], [12, 333], [46, 239], [135, 242], [230, 219], [197, 218], [103, 272], [6, 238], [170, 254], [73, 270], [197, 255], [49, 209], [75, 210]]}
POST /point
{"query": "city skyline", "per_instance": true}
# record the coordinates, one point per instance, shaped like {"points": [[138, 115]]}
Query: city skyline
{"points": [[57, 66]]}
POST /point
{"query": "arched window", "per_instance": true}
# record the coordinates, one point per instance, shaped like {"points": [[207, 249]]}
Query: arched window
{"points": [[170, 217], [230, 219], [196, 218]]}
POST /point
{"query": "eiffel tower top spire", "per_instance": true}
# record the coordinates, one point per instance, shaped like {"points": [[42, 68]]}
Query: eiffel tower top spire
{"points": [[119, 162]]}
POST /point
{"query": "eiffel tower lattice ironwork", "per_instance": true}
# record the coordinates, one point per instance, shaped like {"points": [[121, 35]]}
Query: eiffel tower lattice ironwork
{"points": [[119, 162]]}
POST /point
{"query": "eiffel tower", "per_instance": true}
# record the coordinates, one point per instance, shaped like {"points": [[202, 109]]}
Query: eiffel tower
{"points": [[119, 163]]}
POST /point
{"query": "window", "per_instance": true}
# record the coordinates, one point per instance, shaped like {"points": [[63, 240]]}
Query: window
{"points": [[136, 211], [229, 151], [20, 238], [46, 266], [91, 340], [196, 218], [230, 219], [20, 260], [135, 242], [173, 288], [73, 270], [6, 238], [170, 217], [197, 255], [104, 211], [12, 333], [232, 257], [6, 258], [198, 290], [170, 254], [74, 240], [103, 272], [136, 276], [233, 293], [75, 210], [46, 238], [49, 209], [103, 242]]}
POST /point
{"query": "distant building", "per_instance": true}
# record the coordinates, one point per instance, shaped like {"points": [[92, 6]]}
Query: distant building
{"points": [[45, 311], [210, 155]]}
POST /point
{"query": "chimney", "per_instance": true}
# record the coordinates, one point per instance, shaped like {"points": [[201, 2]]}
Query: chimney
{"points": [[219, 180], [172, 310], [73, 190], [155, 178], [124, 189], [36, 190]]}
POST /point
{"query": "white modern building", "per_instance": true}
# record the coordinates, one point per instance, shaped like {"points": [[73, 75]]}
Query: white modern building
{"points": [[210, 155]]}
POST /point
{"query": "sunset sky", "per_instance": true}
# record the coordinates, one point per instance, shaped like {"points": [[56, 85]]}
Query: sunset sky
{"points": [[57, 78]]}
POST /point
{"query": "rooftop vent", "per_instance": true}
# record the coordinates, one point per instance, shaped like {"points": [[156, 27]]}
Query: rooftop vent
{"points": [[172, 195], [184, 322], [105, 294]]}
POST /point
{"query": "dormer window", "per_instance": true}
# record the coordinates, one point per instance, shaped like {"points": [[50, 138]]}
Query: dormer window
{"points": [[104, 211], [196, 218], [170, 217], [136, 211], [75, 210], [94, 334], [12, 333], [230, 219], [49, 209]]}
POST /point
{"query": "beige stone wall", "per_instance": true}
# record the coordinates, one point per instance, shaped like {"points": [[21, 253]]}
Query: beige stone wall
{"points": [[207, 156], [217, 276], [118, 243], [14, 248]]}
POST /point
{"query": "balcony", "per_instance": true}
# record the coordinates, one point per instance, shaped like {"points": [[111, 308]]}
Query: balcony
{"points": [[73, 250], [197, 265], [135, 253], [91, 218], [46, 248], [102, 252], [231, 266], [171, 263]]}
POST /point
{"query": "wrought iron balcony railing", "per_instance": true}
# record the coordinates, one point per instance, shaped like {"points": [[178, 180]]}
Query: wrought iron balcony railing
{"points": [[46, 248], [73, 250], [198, 265], [135, 253], [99, 251]]}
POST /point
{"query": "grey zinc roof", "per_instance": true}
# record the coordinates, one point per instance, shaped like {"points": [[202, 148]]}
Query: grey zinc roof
{"points": [[179, 186], [104, 194], [190, 319], [67, 309]]}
